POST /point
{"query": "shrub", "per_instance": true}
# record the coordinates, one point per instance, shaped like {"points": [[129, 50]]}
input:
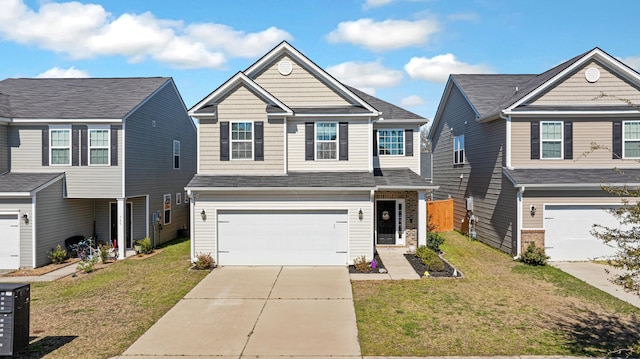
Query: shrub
{"points": [[87, 266], [430, 258], [534, 256], [104, 252], [204, 261], [58, 255], [422, 252], [434, 241], [146, 246], [362, 265]]}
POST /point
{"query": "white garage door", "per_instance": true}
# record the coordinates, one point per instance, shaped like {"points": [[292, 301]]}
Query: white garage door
{"points": [[567, 232], [282, 238], [9, 241]]}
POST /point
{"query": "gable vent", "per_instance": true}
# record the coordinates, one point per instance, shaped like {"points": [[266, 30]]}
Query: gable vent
{"points": [[592, 74], [285, 67]]}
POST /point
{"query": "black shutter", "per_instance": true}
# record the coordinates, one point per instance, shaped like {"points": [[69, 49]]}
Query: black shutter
{"points": [[535, 140], [408, 142], [84, 146], [45, 146], [617, 140], [258, 141], [375, 143], [344, 141], [75, 146], [309, 141], [114, 146], [568, 140], [224, 141]]}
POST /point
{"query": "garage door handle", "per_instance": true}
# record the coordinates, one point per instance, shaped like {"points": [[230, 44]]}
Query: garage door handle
{"points": [[223, 251], [341, 251], [14, 255]]}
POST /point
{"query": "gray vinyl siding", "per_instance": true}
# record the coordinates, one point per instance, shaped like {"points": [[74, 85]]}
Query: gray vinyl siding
{"points": [[58, 218], [576, 90], [149, 156], [25, 143], [493, 196], [20, 206], [360, 232], [242, 105], [359, 148], [298, 89], [4, 148], [411, 162]]}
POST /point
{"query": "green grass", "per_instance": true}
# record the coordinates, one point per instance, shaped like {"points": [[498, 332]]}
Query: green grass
{"points": [[501, 307], [99, 315]]}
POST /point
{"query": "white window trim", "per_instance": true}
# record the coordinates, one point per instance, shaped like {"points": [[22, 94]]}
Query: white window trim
{"points": [[51, 147], [542, 141], [404, 145], [464, 156], [173, 157], [624, 140], [316, 141], [231, 141], [108, 146]]}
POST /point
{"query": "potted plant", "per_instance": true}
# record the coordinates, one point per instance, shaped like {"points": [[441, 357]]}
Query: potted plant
{"points": [[137, 246]]}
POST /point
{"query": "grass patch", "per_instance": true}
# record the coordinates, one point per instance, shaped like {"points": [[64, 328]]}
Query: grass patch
{"points": [[501, 307], [100, 314]]}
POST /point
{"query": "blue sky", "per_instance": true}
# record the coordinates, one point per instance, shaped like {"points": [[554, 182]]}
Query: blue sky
{"points": [[399, 50]]}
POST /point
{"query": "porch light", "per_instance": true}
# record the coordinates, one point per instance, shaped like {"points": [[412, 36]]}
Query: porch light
{"points": [[533, 210], [360, 214], [203, 214], [25, 217]]}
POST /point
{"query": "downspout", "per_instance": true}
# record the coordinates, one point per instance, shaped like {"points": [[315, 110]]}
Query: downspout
{"points": [[507, 145], [519, 223], [192, 225]]}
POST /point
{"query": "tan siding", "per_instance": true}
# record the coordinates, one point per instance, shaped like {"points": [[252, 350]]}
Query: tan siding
{"points": [[359, 149], [20, 206], [576, 90], [359, 232], [298, 89], [242, 105], [411, 162]]}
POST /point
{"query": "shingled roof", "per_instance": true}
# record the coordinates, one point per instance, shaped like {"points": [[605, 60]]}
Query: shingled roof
{"points": [[75, 98], [389, 111], [12, 182]]}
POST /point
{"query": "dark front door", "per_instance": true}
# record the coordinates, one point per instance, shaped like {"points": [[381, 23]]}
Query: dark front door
{"points": [[127, 223], [386, 222]]}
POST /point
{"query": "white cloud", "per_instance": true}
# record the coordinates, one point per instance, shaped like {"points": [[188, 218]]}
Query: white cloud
{"points": [[88, 30], [385, 35], [438, 68], [413, 100], [370, 4], [632, 61], [363, 75], [57, 72]]}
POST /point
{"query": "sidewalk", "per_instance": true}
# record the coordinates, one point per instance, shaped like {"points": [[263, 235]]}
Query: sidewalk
{"points": [[56, 274]]}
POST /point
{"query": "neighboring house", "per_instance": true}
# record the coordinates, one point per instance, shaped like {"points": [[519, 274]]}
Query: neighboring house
{"points": [[92, 157], [520, 147], [295, 167]]}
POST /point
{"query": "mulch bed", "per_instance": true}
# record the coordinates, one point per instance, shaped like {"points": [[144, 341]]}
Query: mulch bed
{"points": [[420, 268], [42, 270], [380, 265]]}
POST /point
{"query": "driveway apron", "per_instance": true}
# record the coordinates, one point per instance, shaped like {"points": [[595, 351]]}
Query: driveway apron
{"points": [[249, 312]]}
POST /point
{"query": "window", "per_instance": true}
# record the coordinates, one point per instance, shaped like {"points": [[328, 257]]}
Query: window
{"points": [[326, 140], [241, 140], [178, 198], [551, 139], [98, 146], [167, 208], [176, 154], [60, 146], [631, 139], [458, 150], [391, 142]]}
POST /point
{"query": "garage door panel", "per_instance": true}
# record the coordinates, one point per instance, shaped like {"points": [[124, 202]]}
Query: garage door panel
{"points": [[9, 241]]}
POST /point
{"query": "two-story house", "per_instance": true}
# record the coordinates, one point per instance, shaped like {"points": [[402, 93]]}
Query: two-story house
{"points": [[296, 168], [101, 157], [525, 156]]}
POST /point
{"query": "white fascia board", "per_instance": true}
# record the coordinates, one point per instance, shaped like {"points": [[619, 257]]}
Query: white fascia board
{"points": [[576, 113], [407, 188], [15, 194], [277, 189], [401, 122], [333, 115], [573, 186], [37, 121]]}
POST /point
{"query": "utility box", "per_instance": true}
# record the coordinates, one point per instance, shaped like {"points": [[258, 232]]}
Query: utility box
{"points": [[14, 317], [469, 203]]}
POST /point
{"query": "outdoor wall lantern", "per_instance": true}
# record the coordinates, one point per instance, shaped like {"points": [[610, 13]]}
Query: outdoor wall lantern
{"points": [[360, 214], [25, 216], [203, 214], [533, 210]]}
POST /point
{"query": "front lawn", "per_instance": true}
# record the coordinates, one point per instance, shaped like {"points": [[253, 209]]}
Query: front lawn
{"points": [[100, 314], [501, 307]]}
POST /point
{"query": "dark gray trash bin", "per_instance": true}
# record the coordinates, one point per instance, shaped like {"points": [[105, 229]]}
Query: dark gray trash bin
{"points": [[14, 317]]}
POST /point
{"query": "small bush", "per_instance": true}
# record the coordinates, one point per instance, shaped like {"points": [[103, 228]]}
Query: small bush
{"points": [[58, 255], [434, 241], [429, 258], [104, 252], [534, 256], [204, 261], [362, 265], [146, 246], [422, 252], [87, 266]]}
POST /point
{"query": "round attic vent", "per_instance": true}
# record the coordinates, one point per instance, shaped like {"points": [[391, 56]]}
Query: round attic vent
{"points": [[592, 74], [285, 67]]}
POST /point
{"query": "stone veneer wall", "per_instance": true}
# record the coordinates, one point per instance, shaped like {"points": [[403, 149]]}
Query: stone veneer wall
{"points": [[411, 212], [532, 235]]}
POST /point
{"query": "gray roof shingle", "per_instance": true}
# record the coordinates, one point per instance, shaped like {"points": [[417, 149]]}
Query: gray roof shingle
{"points": [[389, 111], [24, 182], [559, 177], [77, 98]]}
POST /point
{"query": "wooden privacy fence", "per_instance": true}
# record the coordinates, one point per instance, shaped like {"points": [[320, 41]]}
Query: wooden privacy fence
{"points": [[440, 215]]}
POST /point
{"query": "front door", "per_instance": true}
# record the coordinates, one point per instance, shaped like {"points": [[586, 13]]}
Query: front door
{"points": [[386, 222], [127, 223]]}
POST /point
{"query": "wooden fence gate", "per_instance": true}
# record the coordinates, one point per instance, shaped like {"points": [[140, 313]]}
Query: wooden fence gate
{"points": [[440, 215]]}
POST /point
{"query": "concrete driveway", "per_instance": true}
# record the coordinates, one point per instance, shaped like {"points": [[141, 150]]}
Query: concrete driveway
{"points": [[242, 312]]}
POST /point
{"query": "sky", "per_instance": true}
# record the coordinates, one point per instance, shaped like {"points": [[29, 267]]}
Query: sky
{"points": [[401, 51]]}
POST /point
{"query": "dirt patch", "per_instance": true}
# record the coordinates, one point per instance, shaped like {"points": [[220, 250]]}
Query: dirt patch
{"points": [[42, 270], [379, 266]]}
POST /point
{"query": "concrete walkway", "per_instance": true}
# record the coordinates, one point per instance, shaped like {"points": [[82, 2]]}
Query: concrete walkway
{"points": [[396, 264], [56, 274]]}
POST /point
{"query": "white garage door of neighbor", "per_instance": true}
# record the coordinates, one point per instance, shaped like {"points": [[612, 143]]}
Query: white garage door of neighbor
{"points": [[282, 238], [9, 241], [567, 232]]}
